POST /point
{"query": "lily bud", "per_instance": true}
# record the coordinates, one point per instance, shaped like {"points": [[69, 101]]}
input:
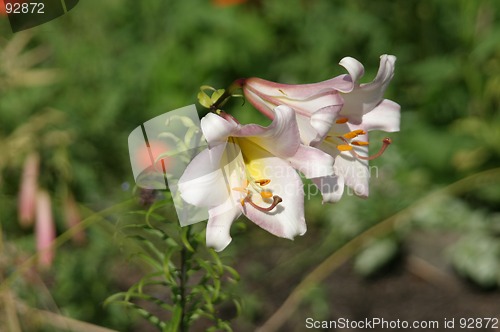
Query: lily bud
{"points": [[45, 229], [27, 193]]}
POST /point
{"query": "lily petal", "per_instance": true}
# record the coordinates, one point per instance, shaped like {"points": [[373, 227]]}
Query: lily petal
{"points": [[262, 105], [219, 224], [384, 75], [386, 116], [366, 97], [217, 129], [322, 121], [298, 92], [354, 68], [331, 188], [287, 218], [302, 92], [308, 134], [204, 182], [312, 162], [353, 171], [281, 137]]}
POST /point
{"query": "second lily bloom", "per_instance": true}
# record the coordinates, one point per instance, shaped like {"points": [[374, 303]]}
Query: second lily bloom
{"points": [[336, 116]]}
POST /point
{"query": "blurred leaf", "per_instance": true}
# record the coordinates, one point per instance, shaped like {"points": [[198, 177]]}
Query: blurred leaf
{"points": [[477, 257], [375, 255]]}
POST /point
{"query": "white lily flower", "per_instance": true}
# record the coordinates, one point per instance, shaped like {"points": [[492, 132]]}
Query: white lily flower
{"points": [[335, 116], [251, 170], [347, 141]]}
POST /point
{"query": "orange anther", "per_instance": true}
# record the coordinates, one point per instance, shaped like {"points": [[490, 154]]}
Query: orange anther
{"points": [[341, 120], [263, 182], [266, 194], [354, 133], [350, 135], [360, 143], [344, 147]]}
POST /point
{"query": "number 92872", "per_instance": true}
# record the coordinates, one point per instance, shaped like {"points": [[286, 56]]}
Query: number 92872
{"points": [[24, 8]]}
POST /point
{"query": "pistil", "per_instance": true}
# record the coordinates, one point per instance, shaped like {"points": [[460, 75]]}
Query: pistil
{"points": [[386, 142], [348, 146], [276, 201], [265, 194]]}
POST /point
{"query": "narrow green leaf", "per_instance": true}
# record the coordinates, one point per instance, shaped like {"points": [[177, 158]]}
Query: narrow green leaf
{"points": [[175, 322], [185, 240]]}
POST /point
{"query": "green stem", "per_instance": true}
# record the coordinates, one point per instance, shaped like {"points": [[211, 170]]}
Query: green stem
{"points": [[183, 282], [238, 84]]}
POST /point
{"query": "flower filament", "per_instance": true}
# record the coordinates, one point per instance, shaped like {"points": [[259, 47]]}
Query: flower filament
{"points": [[347, 143], [264, 193]]}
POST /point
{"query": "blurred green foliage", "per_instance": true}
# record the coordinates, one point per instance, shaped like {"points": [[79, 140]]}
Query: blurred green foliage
{"points": [[120, 63]]}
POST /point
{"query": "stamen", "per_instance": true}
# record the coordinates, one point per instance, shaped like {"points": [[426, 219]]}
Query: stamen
{"points": [[386, 142], [276, 201], [354, 133], [240, 189], [263, 182], [344, 147], [360, 143], [341, 120], [266, 194]]}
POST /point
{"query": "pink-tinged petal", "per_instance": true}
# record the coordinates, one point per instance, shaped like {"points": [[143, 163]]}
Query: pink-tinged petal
{"points": [[219, 224], [299, 92], [287, 218], [27, 192], [217, 129], [366, 97], [311, 106], [384, 75], [313, 163], [281, 137], [260, 104], [323, 97], [261, 88], [45, 229], [320, 114], [331, 188], [385, 116], [354, 68]]}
